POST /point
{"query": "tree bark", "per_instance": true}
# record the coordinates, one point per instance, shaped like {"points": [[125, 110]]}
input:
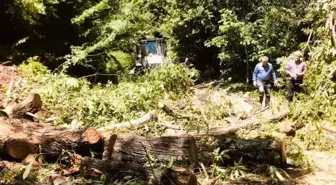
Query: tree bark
{"points": [[133, 148], [191, 150], [18, 139]]}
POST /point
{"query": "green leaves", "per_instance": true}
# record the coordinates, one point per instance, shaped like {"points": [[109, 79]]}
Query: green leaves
{"points": [[91, 12], [99, 106], [116, 25], [171, 162], [241, 38], [32, 10], [27, 170]]}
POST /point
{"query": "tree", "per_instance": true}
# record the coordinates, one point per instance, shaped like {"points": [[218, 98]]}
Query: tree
{"points": [[272, 29], [36, 27]]}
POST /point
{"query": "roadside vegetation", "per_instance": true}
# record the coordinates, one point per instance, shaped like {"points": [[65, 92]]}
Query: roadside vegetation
{"points": [[224, 40]]}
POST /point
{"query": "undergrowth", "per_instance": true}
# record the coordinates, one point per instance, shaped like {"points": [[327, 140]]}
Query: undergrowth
{"points": [[96, 106]]}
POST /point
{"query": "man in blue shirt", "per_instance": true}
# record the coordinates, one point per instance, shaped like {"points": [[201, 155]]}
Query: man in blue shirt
{"points": [[262, 79]]}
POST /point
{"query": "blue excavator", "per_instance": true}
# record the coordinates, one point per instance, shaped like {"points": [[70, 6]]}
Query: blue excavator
{"points": [[150, 53]]}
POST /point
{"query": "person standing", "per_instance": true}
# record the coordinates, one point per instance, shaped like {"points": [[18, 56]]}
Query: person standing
{"points": [[296, 70], [262, 74]]}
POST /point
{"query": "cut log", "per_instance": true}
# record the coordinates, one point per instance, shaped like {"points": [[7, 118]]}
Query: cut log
{"points": [[133, 148], [186, 150], [31, 104], [19, 149], [137, 122], [81, 142], [17, 140], [92, 136], [118, 170]]}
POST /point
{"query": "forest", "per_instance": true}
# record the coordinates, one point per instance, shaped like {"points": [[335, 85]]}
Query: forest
{"points": [[82, 100]]}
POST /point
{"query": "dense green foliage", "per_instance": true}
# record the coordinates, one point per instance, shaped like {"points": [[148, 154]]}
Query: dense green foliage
{"points": [[226, 34], [101, 105], [120, 61], [318, 109], [271, 29], [88, 36], [101, 35]]}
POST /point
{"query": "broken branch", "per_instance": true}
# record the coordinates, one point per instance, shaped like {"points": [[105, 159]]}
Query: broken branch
{"points": [[137, 122]]}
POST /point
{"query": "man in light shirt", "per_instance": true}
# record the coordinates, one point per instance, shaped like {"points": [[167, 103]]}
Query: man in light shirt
{"points": [[296, 70], [262, 79]]}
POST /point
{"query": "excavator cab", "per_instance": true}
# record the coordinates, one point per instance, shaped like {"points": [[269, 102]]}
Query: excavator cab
{"points": [[150, 53]]}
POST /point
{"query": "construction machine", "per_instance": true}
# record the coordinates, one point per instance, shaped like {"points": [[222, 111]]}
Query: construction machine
{"points": [[150, 53]]}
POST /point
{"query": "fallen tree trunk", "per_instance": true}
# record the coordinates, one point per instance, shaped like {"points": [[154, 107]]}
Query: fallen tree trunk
{"points": [[17, 139], [31, 104], [129, 148], [186, 148], [190, 150], [133, 148]]}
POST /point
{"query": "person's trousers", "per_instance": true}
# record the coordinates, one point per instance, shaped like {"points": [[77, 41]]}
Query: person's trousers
{"points": [[292, 87], [264, 88]]}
